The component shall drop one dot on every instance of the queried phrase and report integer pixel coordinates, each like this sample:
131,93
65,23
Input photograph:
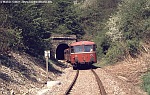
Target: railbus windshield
76,49
88,48
83,48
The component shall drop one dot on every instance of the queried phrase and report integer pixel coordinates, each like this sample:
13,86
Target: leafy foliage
146,82
93,14
65,19
28,18
10,39
117,31
126,29
37,21
3,17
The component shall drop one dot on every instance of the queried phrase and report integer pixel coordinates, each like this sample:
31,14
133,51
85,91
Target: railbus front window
88,48
78,49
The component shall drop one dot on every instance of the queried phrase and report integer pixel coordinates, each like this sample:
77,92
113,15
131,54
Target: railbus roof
82,43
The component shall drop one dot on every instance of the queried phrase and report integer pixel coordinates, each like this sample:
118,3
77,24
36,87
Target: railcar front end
83,52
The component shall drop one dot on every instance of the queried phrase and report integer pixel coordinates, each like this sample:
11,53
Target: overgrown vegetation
10,40
118,27
32,24
28,26
126,29
146,82
65,19
93,15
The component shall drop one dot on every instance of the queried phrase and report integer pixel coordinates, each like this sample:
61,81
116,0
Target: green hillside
120,28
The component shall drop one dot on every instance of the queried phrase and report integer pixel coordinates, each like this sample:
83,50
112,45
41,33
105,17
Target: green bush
115,53
125,29
146,83
133,47
103,44
10,40
33,27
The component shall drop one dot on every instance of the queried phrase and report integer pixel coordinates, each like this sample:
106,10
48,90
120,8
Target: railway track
100,85
74,80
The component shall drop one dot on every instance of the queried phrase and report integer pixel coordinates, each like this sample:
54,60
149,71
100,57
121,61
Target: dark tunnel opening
60,51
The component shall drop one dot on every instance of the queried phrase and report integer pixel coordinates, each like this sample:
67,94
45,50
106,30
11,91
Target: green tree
126,28
65,19
93,14
29,19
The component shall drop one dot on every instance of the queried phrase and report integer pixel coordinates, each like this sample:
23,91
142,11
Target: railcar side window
88,48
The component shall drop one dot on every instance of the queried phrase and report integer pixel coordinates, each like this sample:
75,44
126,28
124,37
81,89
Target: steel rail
101,87
72,84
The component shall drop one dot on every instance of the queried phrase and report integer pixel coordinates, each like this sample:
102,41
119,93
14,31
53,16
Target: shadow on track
87,67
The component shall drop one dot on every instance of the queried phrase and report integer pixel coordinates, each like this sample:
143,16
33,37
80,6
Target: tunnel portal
60,51
59,44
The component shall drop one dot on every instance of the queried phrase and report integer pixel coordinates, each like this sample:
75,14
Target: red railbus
82,52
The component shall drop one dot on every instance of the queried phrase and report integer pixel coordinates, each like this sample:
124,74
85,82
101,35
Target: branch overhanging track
100,85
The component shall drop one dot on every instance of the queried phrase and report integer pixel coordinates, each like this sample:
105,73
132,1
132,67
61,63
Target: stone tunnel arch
60,51
59,43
